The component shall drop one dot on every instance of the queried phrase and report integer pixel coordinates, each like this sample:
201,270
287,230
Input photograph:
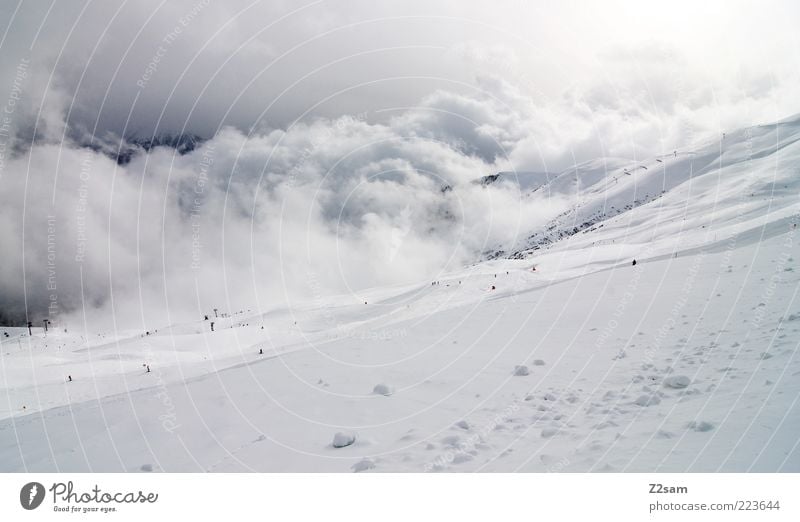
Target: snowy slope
739,174
685,362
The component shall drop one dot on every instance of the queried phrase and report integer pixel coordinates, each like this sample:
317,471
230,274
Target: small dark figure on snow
493,287
205,318
634,263
212,326
148,368
69,378
260,351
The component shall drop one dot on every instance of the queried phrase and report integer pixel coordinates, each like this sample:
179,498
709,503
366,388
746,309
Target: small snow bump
382,389
461,458
343,439
701,426
451,441
647,400
521,371
548,432
363,465
677,382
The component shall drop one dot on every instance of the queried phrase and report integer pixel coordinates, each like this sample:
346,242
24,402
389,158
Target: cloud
247,221
331,131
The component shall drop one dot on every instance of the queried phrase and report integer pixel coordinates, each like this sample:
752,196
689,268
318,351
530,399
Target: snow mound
451,441
548,432
647,400
382,389
700,426
538,362
363,465
464,425
677,382
462,458
343,439
521,370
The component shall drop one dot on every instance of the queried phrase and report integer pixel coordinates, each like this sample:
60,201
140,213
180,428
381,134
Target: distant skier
212,326
493,287
69,378
634,263
148,368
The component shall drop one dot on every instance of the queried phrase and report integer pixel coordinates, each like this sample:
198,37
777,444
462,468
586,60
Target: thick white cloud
332,129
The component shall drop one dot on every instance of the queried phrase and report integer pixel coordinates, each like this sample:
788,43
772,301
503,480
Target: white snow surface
685,362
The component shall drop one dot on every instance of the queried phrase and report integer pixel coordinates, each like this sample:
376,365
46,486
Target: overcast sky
332,126
696,64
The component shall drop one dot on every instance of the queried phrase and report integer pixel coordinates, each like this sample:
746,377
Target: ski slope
685,362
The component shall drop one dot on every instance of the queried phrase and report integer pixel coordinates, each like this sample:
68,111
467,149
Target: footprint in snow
701,426
363,465
677,382
647,400
549,432
451,441
462,457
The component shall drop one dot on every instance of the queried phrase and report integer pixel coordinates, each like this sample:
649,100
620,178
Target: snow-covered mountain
524,181
685,361
124,150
